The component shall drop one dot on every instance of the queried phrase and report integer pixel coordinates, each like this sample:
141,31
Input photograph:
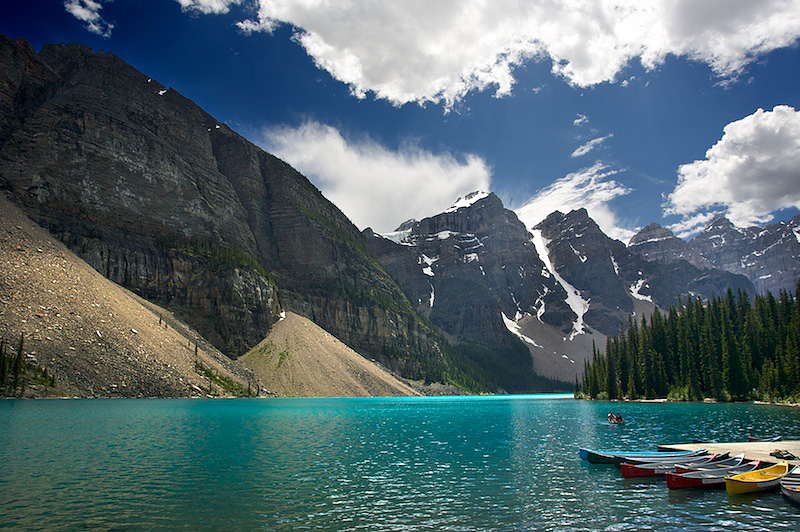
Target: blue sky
639,111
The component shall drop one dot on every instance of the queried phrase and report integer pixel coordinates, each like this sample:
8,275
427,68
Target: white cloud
208,7
691,224
580,120
590,188
88,12
373,185
589,146
753,170
419,51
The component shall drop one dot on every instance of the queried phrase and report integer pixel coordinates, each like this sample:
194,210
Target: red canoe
708,479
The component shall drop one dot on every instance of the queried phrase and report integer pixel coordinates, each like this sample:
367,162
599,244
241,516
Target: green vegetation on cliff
726,349
17,373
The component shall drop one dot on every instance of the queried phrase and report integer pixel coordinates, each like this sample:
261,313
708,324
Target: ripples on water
420,463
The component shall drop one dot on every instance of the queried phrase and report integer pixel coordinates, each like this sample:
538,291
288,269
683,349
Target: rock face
611,278
655,243
768,256
162,199
479,274
467,268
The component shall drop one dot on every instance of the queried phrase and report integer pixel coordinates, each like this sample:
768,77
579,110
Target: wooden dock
756,450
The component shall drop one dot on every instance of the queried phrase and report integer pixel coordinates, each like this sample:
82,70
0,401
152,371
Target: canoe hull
655,469
738,487
677,481
759,480
791,494
707,479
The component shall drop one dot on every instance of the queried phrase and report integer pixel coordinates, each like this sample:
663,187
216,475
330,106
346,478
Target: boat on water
733,461
663,467
709,478
753,438
764,479
790,486
673,458
617,457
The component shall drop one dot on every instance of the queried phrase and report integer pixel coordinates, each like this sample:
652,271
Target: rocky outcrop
768,256
470,266
162,199
611,278
656,243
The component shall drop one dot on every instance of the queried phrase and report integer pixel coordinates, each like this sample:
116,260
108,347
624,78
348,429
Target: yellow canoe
758,480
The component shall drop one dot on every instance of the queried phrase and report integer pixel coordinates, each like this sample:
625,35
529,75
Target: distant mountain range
162,199
478,273
769,256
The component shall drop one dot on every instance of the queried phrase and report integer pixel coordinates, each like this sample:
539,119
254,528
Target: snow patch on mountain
467,200
514,328
398,237
634,290
578,305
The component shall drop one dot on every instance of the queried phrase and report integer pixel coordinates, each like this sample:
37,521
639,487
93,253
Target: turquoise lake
474,463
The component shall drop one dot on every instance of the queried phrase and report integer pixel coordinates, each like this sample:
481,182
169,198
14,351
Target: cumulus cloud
752,171
373,185
420,51
208,7
590,188
589,146
88,12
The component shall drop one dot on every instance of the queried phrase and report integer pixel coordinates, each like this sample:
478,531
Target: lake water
474,463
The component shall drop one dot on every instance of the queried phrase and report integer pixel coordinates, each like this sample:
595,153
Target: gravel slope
98,339
298,358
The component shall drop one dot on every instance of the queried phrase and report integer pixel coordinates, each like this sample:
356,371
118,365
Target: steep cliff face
611,279
768,256
161,198
472,269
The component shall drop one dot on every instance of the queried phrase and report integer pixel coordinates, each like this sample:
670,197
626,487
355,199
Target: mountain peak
652,233
469,200
719,222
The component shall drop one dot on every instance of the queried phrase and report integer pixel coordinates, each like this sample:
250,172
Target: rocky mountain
162,199
477,272
768,256
472,270
611,279
656,243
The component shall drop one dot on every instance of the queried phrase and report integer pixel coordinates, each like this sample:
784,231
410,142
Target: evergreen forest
728,349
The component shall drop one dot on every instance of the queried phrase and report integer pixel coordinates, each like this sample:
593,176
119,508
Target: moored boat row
697,469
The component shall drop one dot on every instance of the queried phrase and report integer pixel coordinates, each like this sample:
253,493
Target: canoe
790,486
733,461
708,479
617,457
774,438
663,467
668,457
757,480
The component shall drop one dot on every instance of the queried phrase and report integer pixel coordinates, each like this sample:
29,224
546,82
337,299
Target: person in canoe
617,420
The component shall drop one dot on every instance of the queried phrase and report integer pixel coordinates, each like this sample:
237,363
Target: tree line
727,348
